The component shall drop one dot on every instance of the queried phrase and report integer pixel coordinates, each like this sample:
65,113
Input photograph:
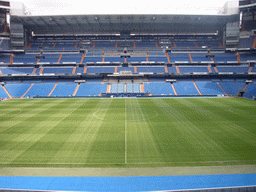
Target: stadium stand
43,89
209,88
185,88
159,88
17,90
250,90
232,88
64,89
101,62
3,94
91,89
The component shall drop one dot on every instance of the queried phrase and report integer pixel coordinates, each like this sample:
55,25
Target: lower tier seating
90,89
209,88
159,88
94,88
232,88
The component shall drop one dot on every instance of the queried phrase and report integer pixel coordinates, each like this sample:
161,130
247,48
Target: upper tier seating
71,58
172,70
16,70
246,57
160,59
246,42
137,59
44,45
224,57
50,58
139,69
89,59
5,59
25,58
113,59
186,69
56,70
147,44
150,69
66,45
97,70
200,57
179,57
234,69
104,44
185,44
208,43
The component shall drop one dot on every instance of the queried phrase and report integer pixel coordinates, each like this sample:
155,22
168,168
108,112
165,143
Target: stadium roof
91,24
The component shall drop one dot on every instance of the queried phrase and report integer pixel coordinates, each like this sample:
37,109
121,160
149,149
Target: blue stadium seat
98,70
5,58
150,69
71,58
185,88
64,89
178,57
42,89
91,89
58,70
114,88
232,88
17,90
250,90
129,88
234,69
159,88
3,94
120,88
209,88
186,69
17,70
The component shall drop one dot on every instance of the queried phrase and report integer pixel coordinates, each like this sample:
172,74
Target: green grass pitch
127,132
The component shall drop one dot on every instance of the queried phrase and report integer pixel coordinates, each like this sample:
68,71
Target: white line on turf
215,162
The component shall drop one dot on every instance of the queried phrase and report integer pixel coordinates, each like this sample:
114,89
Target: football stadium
128,102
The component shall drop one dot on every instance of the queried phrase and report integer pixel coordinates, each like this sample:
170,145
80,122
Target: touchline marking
219,162
125,133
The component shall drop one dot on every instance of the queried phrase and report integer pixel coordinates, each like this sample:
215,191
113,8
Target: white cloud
70,7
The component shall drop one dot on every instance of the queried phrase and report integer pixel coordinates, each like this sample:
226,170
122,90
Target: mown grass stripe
127,132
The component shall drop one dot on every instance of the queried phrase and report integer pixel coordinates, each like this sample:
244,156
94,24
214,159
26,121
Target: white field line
219,162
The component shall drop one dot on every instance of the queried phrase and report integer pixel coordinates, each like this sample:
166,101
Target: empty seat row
152,69
159,88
